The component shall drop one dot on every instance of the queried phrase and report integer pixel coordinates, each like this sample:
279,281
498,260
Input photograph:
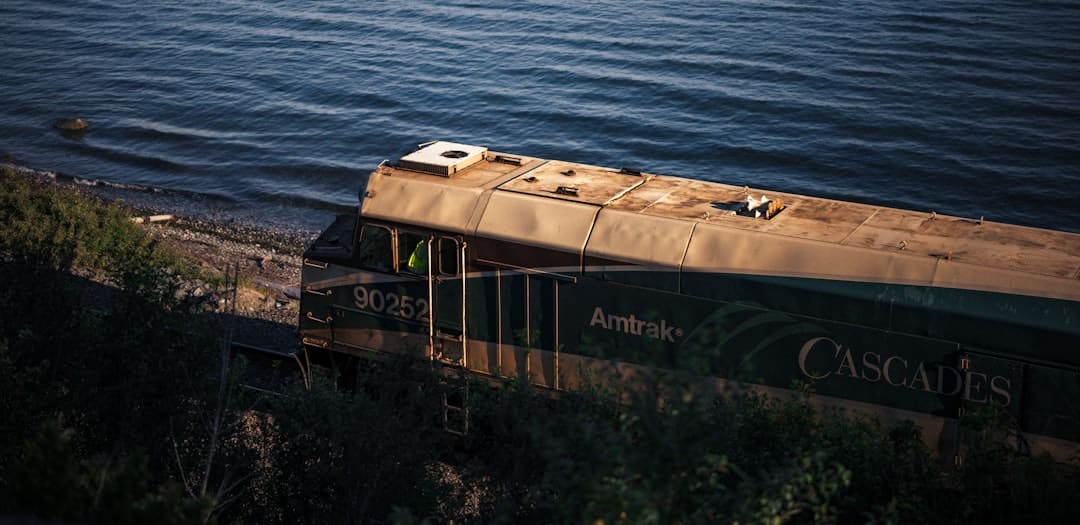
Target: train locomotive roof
662,221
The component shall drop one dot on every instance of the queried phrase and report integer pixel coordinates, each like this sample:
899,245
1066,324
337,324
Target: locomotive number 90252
390,303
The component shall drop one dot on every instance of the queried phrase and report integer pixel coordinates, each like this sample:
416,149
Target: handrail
533,271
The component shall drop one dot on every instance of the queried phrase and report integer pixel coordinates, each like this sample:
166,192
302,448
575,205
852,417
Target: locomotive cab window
412,252
375,248
449,260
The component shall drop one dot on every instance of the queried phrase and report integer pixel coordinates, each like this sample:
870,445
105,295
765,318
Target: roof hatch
442,158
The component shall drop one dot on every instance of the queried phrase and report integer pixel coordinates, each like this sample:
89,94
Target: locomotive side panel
746,341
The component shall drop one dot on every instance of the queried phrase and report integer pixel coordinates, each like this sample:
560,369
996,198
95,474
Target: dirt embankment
267,292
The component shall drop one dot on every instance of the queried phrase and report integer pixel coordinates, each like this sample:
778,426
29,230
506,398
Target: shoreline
191,212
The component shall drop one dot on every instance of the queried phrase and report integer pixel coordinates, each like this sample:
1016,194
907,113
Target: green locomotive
510,266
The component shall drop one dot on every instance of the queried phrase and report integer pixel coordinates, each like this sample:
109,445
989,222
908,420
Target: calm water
277,108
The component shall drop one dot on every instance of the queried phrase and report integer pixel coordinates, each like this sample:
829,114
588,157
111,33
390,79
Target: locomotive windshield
375,248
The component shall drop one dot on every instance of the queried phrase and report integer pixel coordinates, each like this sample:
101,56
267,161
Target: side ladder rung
456,409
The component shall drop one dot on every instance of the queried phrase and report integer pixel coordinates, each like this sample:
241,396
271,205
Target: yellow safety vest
418,259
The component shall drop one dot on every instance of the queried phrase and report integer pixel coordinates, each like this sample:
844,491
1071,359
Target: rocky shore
268,284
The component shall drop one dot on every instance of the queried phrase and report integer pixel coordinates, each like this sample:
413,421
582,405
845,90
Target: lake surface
277,110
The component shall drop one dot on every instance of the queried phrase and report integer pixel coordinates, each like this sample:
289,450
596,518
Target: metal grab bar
317,320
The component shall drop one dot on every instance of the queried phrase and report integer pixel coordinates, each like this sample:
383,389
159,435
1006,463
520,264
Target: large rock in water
71,124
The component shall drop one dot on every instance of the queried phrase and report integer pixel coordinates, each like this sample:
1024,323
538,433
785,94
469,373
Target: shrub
43,226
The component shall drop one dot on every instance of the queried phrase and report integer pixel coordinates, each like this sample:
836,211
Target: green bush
679,457
49,227
119,364
51,479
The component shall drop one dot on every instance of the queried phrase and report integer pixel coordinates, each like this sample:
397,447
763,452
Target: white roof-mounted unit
442,158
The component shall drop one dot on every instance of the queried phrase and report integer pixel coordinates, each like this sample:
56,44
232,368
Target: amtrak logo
632,325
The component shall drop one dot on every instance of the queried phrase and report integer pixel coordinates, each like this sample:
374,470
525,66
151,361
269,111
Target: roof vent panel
442,158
